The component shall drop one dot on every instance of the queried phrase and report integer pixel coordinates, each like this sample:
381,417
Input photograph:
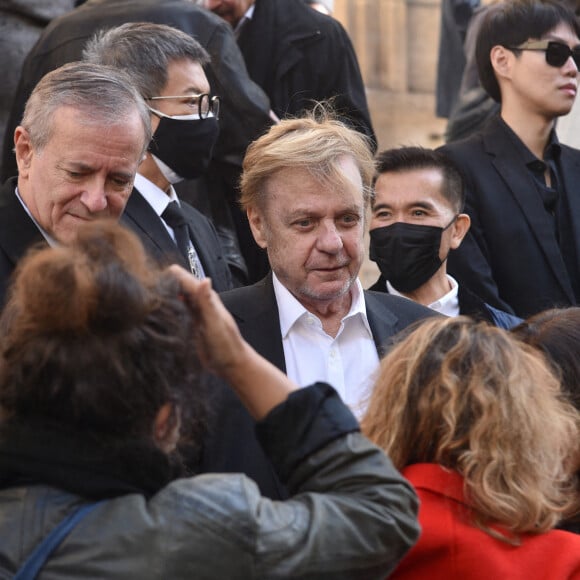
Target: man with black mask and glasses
522,252
166,65
416,222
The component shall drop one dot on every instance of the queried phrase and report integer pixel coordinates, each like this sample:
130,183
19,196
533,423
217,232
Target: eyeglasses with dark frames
557,53
203,104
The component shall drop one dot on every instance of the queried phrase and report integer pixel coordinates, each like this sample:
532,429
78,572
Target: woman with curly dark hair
98,381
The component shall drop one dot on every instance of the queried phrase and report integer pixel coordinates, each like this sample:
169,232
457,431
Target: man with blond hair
306,186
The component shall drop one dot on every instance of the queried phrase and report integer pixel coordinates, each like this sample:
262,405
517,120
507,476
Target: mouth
80,217
329,269
570,89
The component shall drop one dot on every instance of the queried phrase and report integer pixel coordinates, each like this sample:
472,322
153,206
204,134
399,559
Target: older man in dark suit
523,250
244,112
84,132
306,185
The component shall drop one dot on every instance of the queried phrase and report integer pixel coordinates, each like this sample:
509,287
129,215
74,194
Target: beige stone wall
396,41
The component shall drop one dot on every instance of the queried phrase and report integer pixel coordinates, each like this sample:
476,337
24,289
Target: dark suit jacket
244,114
231,445
17,234
140,217
510,257
297,54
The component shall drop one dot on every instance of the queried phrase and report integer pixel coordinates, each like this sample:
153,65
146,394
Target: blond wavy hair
472,398
316,142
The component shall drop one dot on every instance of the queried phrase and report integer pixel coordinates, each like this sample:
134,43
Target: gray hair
144,50
104,95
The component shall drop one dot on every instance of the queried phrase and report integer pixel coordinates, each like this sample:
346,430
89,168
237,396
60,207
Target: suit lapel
17,230
383,322
570,171
523,188
258,319
141,217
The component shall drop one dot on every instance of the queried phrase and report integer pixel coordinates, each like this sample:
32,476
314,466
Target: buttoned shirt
347,361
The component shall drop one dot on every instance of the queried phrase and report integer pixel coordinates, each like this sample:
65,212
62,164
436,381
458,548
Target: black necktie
174,218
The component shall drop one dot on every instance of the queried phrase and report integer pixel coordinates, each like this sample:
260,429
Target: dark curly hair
95,339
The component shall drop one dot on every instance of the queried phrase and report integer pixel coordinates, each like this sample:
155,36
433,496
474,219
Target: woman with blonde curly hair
475,420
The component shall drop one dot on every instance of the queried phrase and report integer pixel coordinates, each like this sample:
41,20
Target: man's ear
502,61
258,226
24,150
460,227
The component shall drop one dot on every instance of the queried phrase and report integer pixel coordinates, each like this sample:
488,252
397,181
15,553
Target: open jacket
510,257
213,526
231,444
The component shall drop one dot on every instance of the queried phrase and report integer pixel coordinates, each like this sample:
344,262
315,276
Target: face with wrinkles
313,232
83,173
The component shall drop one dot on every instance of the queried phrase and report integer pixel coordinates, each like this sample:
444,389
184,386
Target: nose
94,196
571,67
329,239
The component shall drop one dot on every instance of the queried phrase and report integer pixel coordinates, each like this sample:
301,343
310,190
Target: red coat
450,547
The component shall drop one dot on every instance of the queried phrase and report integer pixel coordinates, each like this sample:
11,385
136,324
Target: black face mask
407,254
185,144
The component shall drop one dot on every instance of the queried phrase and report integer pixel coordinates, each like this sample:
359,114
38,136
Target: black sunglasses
557,53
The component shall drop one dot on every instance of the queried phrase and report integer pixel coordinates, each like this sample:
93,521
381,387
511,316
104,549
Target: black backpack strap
44,550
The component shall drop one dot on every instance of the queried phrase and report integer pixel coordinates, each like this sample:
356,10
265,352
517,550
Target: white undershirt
348,362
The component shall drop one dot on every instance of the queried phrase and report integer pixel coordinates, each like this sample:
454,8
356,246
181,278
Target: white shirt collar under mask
447,305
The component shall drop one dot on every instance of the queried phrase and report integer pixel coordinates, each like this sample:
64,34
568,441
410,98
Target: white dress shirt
159,200
447,305
348,361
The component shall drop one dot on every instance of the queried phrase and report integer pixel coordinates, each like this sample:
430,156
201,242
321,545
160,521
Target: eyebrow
84,167
195,91
553,38
421,204
309,212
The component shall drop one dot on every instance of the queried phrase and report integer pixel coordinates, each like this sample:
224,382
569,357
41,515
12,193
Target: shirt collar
291,310
448,304
247,16
155,196
552,150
